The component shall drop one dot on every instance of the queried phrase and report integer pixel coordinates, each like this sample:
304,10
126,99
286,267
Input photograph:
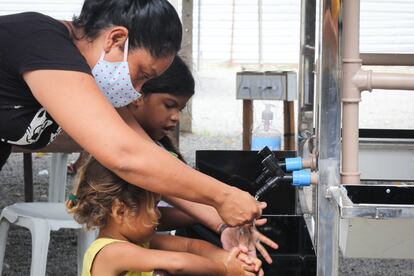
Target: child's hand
250,263
236,267
229,239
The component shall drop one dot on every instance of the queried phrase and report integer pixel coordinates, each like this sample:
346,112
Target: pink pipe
350,93
392,81
368,80
387,59
355,80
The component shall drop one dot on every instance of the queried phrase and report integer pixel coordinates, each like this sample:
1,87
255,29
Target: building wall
229,28
387,26
59,9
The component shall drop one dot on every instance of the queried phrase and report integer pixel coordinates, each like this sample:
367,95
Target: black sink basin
295,256
381,194
240,169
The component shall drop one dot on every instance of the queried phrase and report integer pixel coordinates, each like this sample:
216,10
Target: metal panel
386,154
376,220
328,132
306,81
370,238
292,91
269,85
387,161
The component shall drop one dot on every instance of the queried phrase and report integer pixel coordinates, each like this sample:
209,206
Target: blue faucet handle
302,178
293,164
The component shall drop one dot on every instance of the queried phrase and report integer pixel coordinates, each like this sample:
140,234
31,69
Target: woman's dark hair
152,24
176,80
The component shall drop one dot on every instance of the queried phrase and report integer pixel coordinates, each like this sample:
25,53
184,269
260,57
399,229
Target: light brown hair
97,189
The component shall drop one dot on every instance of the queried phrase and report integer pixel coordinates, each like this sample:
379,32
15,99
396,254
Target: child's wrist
223,226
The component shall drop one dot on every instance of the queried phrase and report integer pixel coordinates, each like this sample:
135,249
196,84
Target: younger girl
126,216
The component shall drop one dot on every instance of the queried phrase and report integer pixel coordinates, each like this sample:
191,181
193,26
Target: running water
246,235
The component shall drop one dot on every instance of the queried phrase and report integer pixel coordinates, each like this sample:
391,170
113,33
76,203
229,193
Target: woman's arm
132,122
75,102
130,257
172,218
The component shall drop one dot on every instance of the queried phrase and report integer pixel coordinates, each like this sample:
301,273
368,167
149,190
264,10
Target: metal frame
348,209
328,133
306,73
306,89
331,205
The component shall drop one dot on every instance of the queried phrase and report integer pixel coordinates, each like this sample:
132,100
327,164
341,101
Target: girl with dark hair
158,112
158,109
71,75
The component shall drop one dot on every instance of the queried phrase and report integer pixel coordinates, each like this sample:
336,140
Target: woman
46,82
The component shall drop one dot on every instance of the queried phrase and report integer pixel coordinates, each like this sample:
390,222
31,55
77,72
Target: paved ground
217,125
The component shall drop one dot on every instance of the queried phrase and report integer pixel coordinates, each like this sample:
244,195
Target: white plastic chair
57,177
41,218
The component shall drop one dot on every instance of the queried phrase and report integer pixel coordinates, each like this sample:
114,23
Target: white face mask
114,80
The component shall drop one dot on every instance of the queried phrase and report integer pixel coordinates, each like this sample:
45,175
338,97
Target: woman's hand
239,207
229,239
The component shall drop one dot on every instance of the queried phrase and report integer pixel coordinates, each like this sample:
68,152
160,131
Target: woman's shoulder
32,25
29,26
37,41
29,20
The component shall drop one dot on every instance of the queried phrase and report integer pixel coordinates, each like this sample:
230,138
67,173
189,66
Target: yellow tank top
95,247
